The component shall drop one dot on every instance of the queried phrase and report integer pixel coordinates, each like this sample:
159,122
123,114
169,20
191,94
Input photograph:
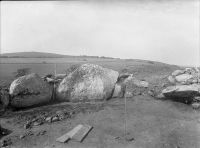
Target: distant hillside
32,55
44,55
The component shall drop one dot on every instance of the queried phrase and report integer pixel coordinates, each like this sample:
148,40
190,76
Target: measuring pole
125,115
54,84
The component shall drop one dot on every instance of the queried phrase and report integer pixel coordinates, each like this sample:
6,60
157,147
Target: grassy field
140,68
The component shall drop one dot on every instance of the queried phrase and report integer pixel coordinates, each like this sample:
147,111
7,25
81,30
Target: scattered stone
160,96
151,93
128,94
195,105
54,119
196,98
41,133
29,133
129,138
27,125
21,136
48,119
37,123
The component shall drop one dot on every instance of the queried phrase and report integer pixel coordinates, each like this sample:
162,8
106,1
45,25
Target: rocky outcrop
184,77
88,82
29,90
185,85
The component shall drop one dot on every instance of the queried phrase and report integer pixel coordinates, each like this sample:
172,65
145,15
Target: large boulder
182,91
29,90
88,82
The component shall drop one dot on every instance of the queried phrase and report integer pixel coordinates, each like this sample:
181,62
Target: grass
42,66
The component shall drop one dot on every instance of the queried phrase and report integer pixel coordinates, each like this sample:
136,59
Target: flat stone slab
82,133
70,134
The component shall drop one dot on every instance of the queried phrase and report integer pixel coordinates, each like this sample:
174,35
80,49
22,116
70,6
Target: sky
165,30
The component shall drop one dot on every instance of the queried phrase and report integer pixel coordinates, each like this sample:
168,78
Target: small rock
29,133
37,123
21,136
48,119
196,98
151,93
41,133
27,125
129,137
54,119
195,105
160,96
128,94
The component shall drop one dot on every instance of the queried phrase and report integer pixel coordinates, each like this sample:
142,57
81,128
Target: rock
27,125
54,119
195,105
29,90
48,119
172,79
178,72
29,133
36,123
128,94
41,133
190,71
88,82
184,78
118,91
151,93
184,91
160,96
21,136
196,98
60,114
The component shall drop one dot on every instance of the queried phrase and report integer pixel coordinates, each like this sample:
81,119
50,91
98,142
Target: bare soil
151,123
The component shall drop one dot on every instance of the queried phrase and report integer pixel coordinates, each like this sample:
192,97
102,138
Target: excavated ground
151,123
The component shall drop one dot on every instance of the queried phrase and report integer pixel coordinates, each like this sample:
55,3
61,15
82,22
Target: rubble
185,86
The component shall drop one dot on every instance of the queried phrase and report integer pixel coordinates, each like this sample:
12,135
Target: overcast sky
166,31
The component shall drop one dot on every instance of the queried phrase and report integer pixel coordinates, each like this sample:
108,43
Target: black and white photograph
100,74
